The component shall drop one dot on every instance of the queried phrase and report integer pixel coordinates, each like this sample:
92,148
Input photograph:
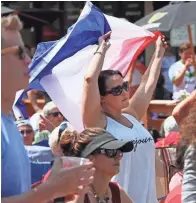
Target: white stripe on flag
65,84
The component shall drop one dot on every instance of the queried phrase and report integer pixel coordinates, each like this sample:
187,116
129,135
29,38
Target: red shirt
175,195
171,139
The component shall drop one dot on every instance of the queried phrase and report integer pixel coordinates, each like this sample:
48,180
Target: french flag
60,67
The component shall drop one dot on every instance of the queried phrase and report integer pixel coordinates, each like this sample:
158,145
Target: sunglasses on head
110,153
55,114
116,91
19,50
26,131
61,129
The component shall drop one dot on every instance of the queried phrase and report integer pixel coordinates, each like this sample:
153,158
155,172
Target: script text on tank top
141,141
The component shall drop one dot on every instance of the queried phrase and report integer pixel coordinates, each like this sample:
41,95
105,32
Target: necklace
104,200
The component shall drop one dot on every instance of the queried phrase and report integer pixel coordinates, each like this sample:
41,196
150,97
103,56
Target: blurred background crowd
49,21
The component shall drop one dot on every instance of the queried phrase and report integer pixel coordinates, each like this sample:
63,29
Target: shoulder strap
86,199
115,192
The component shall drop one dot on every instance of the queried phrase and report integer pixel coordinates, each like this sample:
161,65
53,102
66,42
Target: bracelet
98,52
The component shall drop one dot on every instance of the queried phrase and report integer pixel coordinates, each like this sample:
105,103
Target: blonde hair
11,22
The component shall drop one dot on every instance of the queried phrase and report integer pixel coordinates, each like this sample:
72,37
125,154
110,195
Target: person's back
15,169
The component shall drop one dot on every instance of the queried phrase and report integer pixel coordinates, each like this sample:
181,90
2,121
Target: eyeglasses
55,114
19,50
116,91
110,153
26,131
61,129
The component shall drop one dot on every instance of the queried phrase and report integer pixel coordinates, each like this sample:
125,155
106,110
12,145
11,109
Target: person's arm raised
61,182
181,111
32,95
178,79
91,107
139,103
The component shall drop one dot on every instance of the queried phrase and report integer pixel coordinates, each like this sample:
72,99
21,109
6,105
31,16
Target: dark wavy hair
104,75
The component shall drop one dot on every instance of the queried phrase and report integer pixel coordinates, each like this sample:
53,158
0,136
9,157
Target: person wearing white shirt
182,73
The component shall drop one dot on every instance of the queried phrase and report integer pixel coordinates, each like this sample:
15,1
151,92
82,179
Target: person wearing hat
39,156
105,151
26,130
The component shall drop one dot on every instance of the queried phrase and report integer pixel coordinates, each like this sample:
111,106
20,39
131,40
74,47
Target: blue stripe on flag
85,32
42,50
20,104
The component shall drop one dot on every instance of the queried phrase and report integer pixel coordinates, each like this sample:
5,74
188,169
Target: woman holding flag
106,104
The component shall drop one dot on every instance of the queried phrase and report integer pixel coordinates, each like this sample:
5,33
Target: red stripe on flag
139,44
147,41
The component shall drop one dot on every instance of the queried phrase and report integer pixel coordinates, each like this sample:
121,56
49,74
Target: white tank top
137,169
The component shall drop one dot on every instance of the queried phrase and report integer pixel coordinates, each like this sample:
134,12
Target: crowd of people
120,151
176,75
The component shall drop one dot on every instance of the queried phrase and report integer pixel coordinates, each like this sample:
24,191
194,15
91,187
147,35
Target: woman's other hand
161,45
104,42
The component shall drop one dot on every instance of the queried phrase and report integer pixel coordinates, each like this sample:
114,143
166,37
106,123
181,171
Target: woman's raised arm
181,111
91,104
139,103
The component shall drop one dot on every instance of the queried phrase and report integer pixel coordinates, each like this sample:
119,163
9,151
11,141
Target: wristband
98,52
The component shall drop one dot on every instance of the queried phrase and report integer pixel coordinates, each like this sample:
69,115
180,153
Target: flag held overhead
61,68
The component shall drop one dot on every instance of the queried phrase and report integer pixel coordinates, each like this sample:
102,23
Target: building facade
46,21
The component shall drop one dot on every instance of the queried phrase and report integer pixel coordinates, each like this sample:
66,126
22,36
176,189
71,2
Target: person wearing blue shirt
15,173
15,170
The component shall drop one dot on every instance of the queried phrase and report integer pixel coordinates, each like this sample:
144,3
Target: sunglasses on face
26,131
19,50
116,91
110,153
56,114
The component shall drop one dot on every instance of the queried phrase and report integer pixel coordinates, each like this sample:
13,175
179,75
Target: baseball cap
106,141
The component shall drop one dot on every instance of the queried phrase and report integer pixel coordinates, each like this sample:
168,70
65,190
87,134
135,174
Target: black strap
86,199
115,192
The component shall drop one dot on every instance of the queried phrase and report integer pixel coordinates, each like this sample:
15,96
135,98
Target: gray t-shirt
189,179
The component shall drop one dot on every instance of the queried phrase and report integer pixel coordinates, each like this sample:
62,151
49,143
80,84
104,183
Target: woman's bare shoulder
100,122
